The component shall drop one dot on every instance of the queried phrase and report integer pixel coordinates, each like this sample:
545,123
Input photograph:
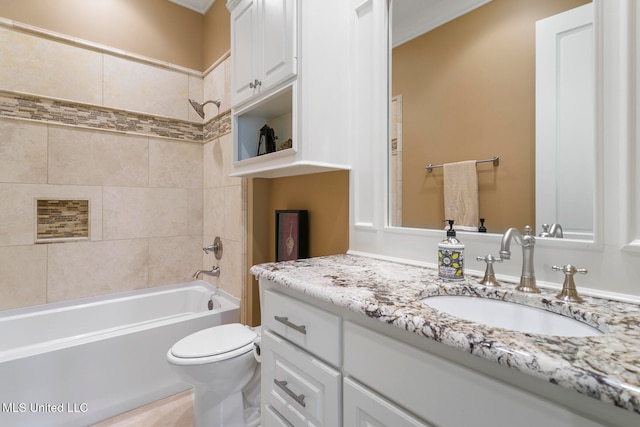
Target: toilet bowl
219,363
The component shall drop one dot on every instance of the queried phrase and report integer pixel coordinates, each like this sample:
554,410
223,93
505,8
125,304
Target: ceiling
200,6
412,18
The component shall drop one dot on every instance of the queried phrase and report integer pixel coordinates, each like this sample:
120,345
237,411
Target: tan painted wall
157,29
468,92
324,195
217,33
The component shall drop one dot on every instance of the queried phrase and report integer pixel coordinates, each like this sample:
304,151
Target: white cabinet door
278,23
363,408
244,33
263,43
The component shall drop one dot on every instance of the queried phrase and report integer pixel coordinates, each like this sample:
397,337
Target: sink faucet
215,272
528,243
554,231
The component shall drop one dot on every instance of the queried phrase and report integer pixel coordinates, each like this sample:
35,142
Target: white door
565,118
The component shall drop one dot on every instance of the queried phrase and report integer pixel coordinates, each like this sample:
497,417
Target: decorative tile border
29,107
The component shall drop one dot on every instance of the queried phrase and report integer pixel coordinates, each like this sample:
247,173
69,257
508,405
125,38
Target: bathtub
80,362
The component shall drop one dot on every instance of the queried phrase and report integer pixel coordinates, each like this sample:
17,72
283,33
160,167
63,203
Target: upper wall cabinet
289,86
263,44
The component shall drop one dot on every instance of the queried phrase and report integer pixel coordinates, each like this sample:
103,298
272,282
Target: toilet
220,364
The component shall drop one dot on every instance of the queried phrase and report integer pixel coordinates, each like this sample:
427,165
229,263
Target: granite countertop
605,367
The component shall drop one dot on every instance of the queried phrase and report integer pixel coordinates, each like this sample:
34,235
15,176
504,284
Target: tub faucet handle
216,248
569,291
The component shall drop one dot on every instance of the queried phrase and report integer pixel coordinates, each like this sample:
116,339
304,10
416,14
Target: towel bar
495,160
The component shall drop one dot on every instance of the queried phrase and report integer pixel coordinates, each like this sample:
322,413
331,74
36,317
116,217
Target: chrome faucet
528,243
554,231
215,272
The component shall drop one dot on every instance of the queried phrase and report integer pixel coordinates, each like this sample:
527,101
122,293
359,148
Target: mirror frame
370,232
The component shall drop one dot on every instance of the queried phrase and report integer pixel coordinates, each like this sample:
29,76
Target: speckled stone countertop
605,367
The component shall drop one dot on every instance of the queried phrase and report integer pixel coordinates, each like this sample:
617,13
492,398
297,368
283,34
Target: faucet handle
569,291
216,248
489,278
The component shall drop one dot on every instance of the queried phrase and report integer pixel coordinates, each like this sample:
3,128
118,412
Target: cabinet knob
254,84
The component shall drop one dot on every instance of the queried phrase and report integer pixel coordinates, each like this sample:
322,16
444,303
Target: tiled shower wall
157,188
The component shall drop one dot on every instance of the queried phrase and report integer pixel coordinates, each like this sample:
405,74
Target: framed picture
292,235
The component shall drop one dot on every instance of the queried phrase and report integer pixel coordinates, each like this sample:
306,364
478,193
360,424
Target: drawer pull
297,398
285,320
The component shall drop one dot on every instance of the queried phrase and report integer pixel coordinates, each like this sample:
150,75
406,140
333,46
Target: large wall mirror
474,79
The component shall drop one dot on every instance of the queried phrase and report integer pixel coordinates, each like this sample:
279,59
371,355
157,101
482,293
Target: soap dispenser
451,256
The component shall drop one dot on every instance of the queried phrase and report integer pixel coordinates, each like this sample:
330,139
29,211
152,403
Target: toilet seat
213,344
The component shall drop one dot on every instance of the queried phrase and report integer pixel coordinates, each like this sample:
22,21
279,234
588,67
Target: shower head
200,107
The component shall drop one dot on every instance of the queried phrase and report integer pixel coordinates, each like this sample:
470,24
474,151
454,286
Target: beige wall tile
125,213
173,259
145,212
233,221
44,67
23,152
168,212
231,268
213,162
195,226
140,87
214,88
175,164
17,209
98,268
80,156
213,216
226,150
23,276
195,92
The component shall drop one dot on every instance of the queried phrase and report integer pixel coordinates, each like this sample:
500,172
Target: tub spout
215,272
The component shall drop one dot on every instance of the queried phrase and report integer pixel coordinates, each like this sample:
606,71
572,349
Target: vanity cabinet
263,45
289,73
326,365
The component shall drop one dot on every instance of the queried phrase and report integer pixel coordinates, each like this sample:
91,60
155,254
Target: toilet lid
213,341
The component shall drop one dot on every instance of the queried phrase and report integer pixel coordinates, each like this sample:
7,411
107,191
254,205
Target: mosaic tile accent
59,220
217,127
29,107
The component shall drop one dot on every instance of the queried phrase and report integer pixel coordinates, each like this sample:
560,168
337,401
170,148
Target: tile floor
173,411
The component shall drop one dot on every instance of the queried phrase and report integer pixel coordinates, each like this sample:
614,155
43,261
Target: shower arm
212,101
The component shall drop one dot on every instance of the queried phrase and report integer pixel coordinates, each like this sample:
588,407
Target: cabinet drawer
304,390
270,418
310,328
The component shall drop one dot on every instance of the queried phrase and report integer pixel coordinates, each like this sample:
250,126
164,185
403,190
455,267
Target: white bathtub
79,362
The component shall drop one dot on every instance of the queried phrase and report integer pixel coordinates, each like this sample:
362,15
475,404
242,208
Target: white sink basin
507,315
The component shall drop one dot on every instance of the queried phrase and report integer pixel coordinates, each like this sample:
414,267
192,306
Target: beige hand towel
461,194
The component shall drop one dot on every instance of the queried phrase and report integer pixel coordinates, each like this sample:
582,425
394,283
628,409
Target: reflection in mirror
466,90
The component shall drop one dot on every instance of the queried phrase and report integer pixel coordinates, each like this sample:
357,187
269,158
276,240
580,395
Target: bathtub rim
11,312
